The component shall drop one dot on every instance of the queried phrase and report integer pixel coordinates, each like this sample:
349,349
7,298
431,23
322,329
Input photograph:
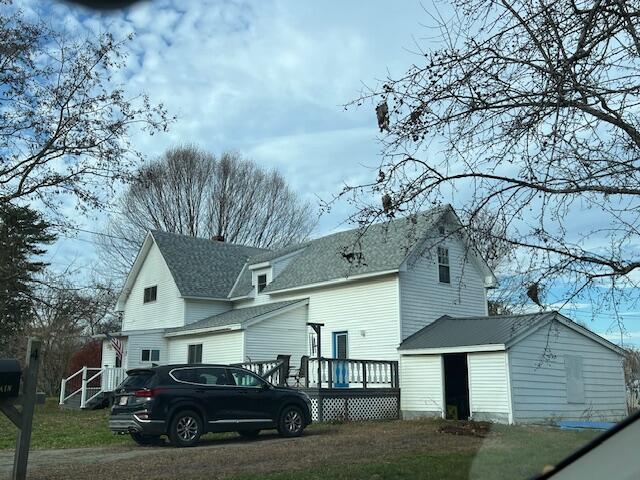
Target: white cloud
625,339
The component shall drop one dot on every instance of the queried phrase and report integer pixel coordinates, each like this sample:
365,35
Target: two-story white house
390,292
192,299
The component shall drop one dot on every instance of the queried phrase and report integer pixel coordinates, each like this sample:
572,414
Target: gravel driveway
220,458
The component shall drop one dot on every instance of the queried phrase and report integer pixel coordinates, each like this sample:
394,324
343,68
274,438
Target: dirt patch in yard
320,446
468,429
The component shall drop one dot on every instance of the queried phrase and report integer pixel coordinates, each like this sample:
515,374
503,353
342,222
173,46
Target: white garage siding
224,347
149,340
424,299
285,334
195,310
421,386
167,310
539,385
489,386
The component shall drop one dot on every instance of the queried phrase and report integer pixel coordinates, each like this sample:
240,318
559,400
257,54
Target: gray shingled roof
235,317
383,246
202,267
467,331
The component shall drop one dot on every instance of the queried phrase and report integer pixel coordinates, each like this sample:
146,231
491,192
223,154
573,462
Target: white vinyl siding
285,334
489,386
145,341
109,353
167,310
366,309
226,347
423,298
421,385
195,310
539,385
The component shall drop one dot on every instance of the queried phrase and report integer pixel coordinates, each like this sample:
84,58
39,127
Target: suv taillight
147,392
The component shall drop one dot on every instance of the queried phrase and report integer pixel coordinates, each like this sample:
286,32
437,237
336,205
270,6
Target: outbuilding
536,368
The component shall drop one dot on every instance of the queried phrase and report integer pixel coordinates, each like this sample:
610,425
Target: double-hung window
150,294
195,353
262,282
444,274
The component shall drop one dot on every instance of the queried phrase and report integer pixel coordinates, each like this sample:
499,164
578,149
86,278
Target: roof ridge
388,221
210,241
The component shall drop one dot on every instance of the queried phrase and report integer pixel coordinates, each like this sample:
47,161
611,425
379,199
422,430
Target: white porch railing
89,382
347,372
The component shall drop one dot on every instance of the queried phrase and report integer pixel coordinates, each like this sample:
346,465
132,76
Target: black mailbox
10,373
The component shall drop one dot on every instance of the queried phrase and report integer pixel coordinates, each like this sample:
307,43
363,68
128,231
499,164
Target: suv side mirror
265,386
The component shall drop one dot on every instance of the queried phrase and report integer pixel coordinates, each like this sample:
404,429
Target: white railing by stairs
89,382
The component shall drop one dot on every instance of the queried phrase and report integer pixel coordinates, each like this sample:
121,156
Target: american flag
116,344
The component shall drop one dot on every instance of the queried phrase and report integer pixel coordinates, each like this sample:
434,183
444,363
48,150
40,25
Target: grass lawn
366,450
54,427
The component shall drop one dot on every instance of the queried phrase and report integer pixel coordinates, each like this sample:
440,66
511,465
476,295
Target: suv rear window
201,375
138,380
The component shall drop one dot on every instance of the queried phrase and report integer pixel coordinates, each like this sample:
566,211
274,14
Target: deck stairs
90,388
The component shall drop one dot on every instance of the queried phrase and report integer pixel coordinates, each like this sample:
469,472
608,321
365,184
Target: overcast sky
268,78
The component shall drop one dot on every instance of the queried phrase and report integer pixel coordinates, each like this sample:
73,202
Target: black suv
186,401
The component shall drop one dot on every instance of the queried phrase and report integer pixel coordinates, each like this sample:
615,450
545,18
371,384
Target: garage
535,368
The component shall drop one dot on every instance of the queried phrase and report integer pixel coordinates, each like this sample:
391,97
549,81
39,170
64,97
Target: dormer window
150,294
262,282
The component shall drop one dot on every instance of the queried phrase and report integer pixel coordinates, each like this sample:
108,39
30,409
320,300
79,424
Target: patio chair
298,378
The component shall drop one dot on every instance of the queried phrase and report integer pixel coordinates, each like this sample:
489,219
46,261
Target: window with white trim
150,294
150,355
194,353
444,273
262,282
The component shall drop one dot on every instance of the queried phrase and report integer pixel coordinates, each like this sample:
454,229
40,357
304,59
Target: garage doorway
456,386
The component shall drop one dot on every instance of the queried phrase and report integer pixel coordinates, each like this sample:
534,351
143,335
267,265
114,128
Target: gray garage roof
237,316
201,267
468,331
381,247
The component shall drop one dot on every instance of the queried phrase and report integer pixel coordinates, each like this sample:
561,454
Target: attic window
441,230
150,294
444,273
262,282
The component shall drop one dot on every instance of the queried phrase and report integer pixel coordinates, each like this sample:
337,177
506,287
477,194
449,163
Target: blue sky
268,79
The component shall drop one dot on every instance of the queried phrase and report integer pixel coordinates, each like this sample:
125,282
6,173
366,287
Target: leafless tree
527,112
64,123
632,378
192,192
65,316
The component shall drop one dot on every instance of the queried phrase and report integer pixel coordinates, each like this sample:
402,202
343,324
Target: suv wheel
291,422
249,433
145,440
185,429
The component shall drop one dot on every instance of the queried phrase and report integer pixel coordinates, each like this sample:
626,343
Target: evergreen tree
22,234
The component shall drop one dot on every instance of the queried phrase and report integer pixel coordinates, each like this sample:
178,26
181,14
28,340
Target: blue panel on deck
581,425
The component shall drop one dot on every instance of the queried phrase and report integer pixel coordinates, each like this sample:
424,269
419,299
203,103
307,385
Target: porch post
317,329
83,393
63,386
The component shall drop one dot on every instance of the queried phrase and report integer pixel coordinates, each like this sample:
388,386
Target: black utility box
10,373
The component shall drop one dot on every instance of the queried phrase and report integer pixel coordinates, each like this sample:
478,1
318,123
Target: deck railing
354,373
333,373
271,370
